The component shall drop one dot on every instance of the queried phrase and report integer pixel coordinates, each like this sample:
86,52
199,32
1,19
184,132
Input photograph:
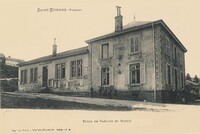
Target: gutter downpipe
91,64
155,60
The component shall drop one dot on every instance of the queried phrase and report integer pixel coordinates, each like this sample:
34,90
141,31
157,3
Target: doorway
45,76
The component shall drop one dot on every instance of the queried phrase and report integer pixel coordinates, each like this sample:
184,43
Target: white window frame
79,68
134,41
107,75
59,70
76,70
135,70
63,70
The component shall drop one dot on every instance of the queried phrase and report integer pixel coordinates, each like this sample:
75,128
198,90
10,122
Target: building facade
62,72
141,61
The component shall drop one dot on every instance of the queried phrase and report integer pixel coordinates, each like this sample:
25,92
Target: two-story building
141,60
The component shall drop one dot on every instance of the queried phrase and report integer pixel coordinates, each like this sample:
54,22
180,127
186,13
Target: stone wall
179,64
120,59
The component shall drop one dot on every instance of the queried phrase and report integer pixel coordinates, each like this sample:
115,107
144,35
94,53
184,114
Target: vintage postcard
84,67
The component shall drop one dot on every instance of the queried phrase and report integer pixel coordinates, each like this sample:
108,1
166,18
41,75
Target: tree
196,79
188,77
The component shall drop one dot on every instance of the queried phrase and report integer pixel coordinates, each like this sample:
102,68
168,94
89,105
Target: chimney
118,20
54,48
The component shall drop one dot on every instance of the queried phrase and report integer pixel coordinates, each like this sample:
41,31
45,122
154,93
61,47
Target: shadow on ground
9,101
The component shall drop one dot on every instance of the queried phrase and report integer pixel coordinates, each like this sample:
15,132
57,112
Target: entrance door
45,76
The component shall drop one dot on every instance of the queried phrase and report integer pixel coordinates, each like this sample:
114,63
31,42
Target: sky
27,34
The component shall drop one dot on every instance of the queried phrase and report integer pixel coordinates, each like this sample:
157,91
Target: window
60,71
76,68
167,46
181,57
178,55
135,73
33,75
182,84
105,50
176,78
36,75
73,69
168,74
79,68
174,53
134,45
23,76
105,76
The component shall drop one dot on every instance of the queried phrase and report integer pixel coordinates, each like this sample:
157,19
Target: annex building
140,61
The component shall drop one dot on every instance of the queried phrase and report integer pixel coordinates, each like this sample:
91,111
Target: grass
11,101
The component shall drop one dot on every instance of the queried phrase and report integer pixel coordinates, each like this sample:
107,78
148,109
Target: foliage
188,77
196,79
9,85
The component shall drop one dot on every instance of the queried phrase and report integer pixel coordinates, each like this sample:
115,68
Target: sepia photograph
118,66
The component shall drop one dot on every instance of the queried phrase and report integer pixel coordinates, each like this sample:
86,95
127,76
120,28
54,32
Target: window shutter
100,77
142,73
127,77
111,73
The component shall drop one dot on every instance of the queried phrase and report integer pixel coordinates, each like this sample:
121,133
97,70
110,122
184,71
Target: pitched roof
64,54
135,26
14,59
